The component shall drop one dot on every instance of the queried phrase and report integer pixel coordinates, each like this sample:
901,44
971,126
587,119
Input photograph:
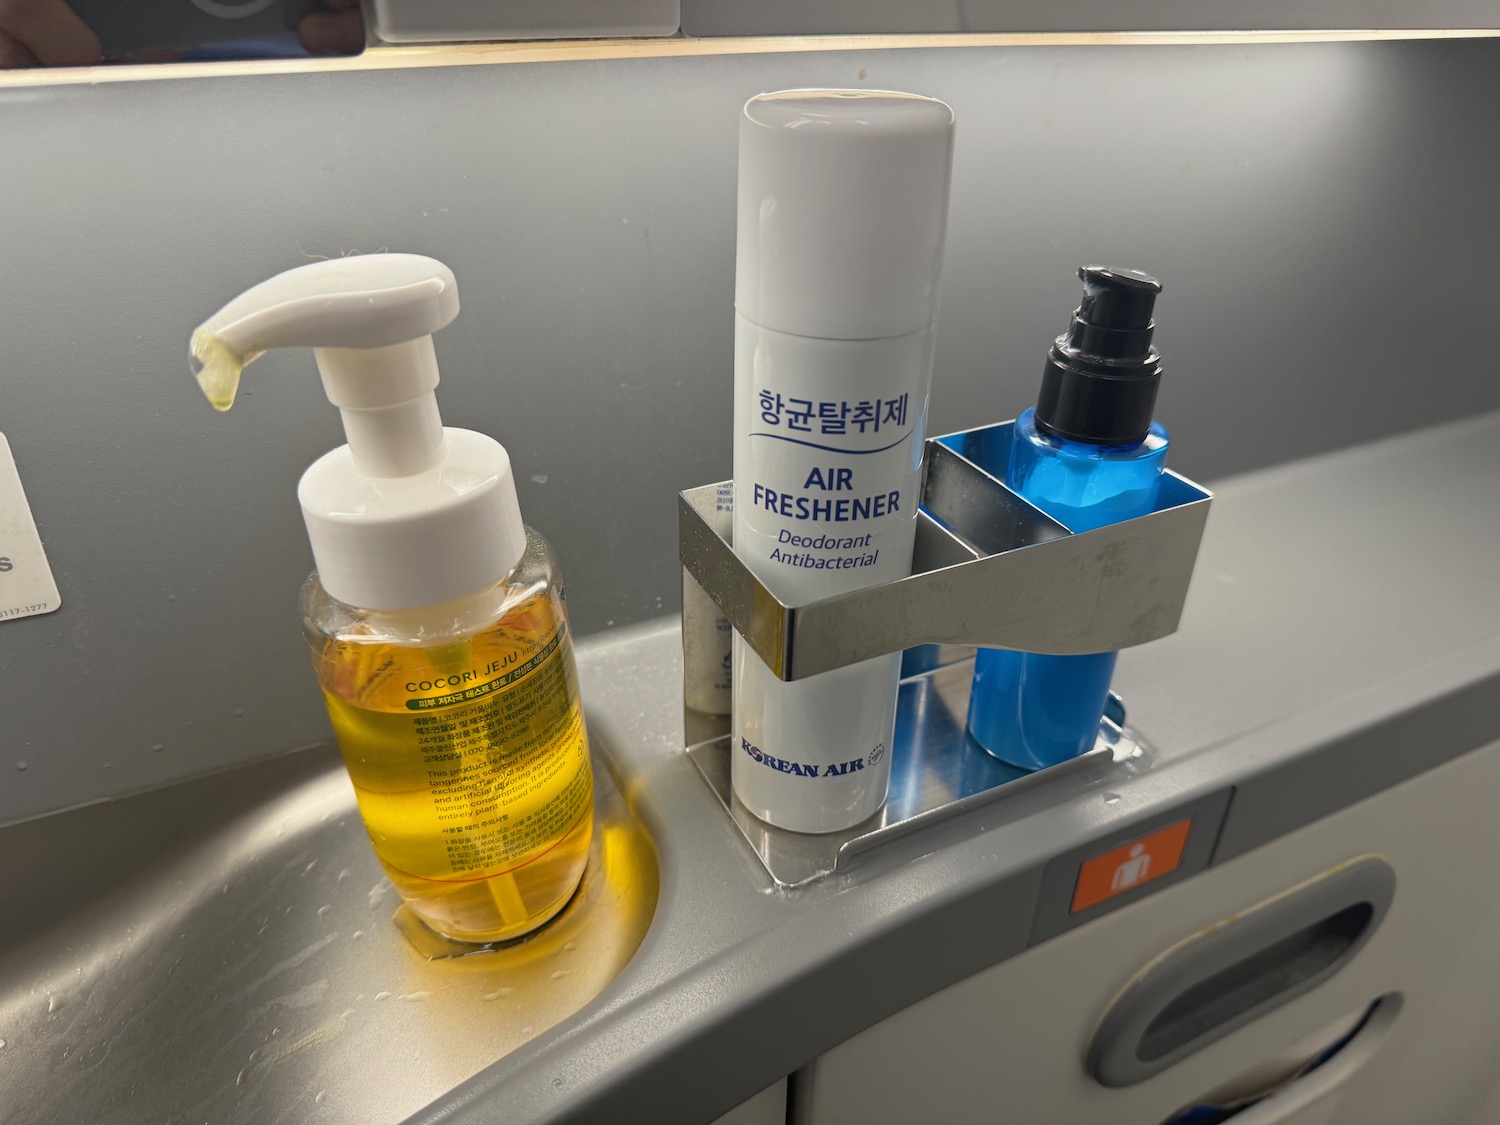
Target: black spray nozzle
1099,383
1117,298
1112,323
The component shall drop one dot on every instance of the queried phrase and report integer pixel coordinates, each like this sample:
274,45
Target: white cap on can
843,203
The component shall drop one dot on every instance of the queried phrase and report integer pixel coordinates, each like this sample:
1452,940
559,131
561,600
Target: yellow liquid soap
468,754
217,367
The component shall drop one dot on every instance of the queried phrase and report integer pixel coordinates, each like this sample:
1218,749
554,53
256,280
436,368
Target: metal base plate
937,773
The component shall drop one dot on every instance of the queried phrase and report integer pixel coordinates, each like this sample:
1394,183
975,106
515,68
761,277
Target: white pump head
409,513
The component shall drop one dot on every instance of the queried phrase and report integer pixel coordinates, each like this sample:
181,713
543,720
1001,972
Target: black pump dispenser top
1099,383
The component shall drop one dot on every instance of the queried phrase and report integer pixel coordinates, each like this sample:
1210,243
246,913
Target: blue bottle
1088,454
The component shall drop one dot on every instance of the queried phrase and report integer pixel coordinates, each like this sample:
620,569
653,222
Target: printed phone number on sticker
25,609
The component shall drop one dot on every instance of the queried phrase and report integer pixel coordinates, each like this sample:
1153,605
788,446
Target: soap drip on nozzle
217,367
1099,383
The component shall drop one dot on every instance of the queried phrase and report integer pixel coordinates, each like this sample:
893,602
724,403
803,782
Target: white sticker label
26,583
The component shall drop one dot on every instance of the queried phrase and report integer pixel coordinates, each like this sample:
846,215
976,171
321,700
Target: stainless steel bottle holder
989,570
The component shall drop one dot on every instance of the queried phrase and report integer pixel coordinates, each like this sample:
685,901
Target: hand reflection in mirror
340,30
49,33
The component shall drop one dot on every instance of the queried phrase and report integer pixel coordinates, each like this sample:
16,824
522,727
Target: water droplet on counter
557,1082
2,1044
53,1004
356,935
21,765
377,892
157,747
559,974
1111,798
343,874
309,867
321,1097
415,997
498,994
382,996
572,945
540,478
322,910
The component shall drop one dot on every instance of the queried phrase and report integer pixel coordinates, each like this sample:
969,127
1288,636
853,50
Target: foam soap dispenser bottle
436,618
1088,454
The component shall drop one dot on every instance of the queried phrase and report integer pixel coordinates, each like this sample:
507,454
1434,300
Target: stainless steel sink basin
224,950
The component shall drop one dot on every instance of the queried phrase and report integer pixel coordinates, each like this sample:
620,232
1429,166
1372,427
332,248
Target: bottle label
828,458
479,690
476,757
830,477
706,632
484,759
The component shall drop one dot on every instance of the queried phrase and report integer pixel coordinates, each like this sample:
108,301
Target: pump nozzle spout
369,302
217,367
1099,382
1116,298
409,513
370,320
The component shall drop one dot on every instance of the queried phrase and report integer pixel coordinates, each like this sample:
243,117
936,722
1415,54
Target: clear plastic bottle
463,733
436,618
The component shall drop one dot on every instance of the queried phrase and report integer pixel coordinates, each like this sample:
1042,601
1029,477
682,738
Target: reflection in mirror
87,32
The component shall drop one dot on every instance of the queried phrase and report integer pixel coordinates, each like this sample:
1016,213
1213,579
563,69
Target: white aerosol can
843,205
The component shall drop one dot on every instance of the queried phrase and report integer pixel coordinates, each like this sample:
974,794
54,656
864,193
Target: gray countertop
1342,635
1334,599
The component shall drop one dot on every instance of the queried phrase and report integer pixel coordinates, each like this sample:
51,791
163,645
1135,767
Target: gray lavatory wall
1316,211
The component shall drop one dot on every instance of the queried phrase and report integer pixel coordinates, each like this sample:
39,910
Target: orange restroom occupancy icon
1130,865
